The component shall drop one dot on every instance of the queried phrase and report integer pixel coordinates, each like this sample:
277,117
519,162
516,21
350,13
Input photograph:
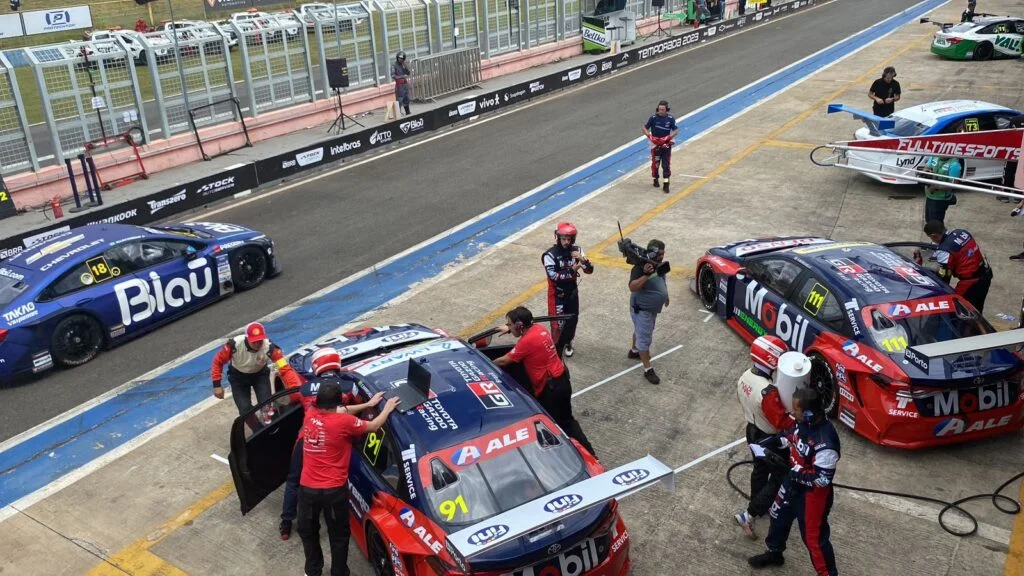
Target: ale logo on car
630,477
466,455
488,534
563,503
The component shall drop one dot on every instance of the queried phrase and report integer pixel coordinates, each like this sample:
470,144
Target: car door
261,450
376,466
172,278
88,286
1006,38
484,341
760,300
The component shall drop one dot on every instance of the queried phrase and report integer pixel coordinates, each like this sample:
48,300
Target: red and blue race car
471,477
882,334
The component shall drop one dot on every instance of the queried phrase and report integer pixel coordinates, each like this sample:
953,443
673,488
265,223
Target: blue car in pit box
93,287
468,476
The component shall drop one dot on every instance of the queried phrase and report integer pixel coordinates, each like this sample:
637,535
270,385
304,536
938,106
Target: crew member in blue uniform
959,255
562,264
660,130
807,492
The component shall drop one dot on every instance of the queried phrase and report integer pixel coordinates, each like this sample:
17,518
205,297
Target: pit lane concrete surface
168,507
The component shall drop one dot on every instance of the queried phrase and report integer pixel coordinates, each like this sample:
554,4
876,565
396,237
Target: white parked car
308,12
945,117
261,20
104,41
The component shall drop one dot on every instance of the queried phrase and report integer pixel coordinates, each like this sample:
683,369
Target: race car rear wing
876,124
486,334
551,509
923,177
952,351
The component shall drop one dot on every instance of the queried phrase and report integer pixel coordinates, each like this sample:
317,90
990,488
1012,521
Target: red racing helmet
566,229
326,360
255,333
765,352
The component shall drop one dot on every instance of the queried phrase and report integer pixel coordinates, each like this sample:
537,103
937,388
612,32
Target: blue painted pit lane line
37,461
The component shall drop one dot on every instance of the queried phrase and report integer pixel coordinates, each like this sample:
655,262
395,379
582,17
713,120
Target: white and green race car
983,39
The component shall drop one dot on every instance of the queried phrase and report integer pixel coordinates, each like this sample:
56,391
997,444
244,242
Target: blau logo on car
563,503
488,534
630,477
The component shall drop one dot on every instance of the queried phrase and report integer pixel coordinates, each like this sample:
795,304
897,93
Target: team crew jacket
558,263
959,255
762,404
244,360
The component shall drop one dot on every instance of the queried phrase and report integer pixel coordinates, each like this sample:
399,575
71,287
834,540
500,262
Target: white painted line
711,454
710,315
626,371
243,193
220,459
931,513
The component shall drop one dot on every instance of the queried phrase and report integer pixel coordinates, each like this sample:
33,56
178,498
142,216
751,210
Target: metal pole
177,52
455,37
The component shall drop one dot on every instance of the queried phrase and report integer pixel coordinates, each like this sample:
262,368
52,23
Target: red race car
468,476
898,355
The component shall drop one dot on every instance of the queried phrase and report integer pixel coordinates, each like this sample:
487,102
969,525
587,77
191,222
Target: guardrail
446,73
244,177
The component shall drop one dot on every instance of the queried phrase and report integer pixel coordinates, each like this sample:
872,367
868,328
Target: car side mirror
741,274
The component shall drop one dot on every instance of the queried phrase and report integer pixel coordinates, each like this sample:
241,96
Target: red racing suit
959,255
563,295
807,493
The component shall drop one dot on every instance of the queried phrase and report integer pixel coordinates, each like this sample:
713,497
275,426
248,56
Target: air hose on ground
999,500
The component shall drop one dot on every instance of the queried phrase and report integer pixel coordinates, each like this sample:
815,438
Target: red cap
255,332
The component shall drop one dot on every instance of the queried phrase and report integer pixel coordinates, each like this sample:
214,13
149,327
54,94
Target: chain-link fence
345,31
458,22
89,92
17,153
201,56
276,62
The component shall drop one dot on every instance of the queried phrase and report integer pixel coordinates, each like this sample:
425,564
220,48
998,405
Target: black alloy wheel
248,267
76,340
824,381
380,559
984,51
707,286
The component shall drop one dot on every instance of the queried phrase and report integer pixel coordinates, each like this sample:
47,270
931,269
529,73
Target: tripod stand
659,31
339,123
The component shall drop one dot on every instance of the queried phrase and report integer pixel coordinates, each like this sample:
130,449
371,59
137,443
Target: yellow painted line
137,560
791,144
1015,555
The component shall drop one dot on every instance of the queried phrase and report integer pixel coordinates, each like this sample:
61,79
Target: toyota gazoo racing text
65,299
858,310
443,488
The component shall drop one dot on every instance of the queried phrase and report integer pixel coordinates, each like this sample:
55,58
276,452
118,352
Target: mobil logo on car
786,323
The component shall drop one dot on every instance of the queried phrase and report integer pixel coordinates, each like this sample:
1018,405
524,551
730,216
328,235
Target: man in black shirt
968,15
885,93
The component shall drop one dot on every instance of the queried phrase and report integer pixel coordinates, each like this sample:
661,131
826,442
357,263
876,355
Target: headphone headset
665,104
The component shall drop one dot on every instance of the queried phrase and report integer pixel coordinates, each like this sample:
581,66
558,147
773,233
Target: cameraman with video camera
648,295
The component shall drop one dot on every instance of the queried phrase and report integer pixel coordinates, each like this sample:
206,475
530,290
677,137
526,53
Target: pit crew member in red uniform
959,255
807,492
326,366
327,437
660,130
766,415
562,263
248,356
549,381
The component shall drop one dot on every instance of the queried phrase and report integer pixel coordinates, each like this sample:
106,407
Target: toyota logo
554,549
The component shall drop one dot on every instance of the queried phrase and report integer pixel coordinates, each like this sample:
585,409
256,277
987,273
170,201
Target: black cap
329,395
889,69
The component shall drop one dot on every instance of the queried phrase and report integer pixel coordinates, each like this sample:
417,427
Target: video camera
637,255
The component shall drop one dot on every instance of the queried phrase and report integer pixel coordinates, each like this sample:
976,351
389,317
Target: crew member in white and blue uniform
661,129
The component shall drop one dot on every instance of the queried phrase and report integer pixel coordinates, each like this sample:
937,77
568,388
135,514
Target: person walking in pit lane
959,255
325,364
328,433
562,264
248,356
766,415
660,130
400,73
549,380
807,492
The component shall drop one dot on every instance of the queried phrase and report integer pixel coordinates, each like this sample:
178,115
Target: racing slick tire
76,340
984,51
380,559
248,268
707,287
823,380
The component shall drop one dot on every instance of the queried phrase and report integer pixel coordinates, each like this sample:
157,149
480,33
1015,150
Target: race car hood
217,230
363,343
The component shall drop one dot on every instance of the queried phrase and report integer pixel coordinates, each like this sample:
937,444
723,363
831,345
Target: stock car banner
992,145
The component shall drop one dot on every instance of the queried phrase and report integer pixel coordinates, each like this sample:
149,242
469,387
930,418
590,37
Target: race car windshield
907,127
185,232
894,335
10,289
500,483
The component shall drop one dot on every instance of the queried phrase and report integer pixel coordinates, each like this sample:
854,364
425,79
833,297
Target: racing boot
656,183
768,558
664,187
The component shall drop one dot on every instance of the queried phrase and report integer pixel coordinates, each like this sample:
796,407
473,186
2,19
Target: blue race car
468,476
97,286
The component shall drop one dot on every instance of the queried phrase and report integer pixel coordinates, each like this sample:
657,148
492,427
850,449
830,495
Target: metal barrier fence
451,71
89,91
202,58
16,150
276,62
83,91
